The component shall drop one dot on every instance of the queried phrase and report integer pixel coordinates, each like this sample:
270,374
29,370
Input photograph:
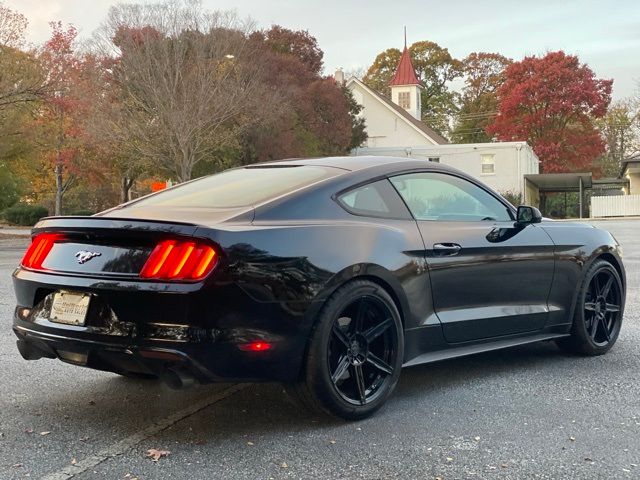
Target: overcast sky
604,34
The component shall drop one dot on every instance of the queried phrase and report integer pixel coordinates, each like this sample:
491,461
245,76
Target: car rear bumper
176,363
181,335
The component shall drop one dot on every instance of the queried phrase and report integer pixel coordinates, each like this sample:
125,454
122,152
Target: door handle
446,249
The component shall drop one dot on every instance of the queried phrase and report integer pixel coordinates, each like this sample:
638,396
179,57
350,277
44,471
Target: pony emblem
84,256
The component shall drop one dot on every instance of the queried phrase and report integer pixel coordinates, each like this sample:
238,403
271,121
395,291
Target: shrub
514,198
81,213
24,214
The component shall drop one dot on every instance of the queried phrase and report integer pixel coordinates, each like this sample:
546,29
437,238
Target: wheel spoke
591,306
342,367
379,363
356,323
607,286
376,331
340,335
596,286
605,328
612,307
362,391
594,326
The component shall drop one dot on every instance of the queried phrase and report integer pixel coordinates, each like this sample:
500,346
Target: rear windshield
242,187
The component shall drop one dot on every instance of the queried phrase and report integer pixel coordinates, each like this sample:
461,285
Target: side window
437,196
378,199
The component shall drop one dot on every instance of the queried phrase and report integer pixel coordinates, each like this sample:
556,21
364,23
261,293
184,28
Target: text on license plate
69,308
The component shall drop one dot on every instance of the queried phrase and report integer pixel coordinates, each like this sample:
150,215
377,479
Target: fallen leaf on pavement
156,455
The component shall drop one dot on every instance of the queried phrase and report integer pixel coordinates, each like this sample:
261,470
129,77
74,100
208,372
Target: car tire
597,317
351,336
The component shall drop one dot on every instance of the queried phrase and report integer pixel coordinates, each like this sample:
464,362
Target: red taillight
255,346
39,249
179,260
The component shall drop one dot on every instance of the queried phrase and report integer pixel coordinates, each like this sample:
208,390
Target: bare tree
12,27
188,80
21,79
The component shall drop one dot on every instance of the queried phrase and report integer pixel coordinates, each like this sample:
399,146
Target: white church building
395,128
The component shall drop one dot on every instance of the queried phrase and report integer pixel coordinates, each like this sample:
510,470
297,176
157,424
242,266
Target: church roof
422,127
405,73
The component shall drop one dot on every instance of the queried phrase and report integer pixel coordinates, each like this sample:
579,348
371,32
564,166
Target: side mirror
527,215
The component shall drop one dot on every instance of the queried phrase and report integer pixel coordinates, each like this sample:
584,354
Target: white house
394,122
501,165
394,128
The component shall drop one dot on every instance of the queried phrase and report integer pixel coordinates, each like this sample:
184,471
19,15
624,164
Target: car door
489,275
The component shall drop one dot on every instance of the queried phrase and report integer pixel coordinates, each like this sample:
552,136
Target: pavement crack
131,441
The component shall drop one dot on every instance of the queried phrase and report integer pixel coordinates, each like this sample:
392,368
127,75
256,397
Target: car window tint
240,187
365,198
437,196
377,199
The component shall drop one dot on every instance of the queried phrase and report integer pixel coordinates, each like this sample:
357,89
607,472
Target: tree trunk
186,166
59,168
125,189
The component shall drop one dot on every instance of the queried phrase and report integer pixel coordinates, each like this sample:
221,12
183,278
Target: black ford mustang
327,274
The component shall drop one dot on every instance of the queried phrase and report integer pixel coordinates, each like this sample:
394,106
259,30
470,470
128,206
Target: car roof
380,164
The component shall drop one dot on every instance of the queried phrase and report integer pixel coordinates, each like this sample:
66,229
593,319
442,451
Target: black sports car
327,274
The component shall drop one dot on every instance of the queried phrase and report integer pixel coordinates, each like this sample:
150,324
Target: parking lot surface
526,412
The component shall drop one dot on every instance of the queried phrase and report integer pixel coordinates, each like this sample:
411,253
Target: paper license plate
69,308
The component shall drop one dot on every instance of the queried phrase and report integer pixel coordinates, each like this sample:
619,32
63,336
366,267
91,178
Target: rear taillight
39,249
180,260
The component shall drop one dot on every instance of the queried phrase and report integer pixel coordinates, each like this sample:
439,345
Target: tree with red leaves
551,102
58,129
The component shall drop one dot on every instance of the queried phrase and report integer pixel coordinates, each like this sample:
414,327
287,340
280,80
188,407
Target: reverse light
255,346
40,247
179,260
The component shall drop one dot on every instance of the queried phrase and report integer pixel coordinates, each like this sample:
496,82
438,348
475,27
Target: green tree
620,129
435,67
9,192
483,75
358,125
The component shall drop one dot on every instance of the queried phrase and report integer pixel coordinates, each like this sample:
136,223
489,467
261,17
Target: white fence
615,206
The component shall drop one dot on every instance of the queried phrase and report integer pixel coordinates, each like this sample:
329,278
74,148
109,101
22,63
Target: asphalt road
527,412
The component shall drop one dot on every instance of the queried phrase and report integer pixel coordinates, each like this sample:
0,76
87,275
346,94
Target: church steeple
405,86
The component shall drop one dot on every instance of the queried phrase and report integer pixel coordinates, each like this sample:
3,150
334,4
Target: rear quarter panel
297,266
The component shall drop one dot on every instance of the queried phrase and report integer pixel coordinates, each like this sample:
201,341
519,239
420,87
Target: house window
488,163
434,159
404,99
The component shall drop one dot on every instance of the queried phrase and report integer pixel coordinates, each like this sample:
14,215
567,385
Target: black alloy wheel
599,310
602,307
362,350
355,355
